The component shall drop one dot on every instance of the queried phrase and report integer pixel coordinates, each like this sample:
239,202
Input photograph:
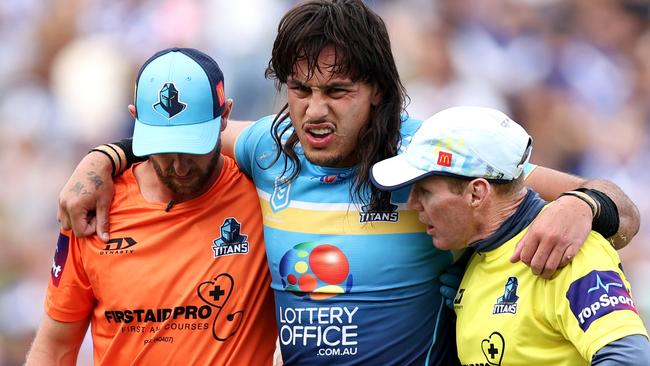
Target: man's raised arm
85,200
569,219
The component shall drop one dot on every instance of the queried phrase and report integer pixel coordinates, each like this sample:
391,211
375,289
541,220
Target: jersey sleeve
528,168
592,304
632,350
248,141
407,130
69,294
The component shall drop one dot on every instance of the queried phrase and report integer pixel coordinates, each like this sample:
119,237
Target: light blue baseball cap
179,99
463,142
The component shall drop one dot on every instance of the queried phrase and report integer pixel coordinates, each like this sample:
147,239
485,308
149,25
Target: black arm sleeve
632,350
127,146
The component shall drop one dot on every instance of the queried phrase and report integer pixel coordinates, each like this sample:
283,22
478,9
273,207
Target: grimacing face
328,112
447,215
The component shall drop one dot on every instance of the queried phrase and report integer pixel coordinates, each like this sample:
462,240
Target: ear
413,202
226,113
132,110
478,191
376,97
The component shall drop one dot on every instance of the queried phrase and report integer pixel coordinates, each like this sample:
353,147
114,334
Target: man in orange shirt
184,278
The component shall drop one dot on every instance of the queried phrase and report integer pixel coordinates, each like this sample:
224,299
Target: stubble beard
326,161
194,188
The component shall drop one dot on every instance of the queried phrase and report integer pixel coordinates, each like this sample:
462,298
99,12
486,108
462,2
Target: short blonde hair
458,185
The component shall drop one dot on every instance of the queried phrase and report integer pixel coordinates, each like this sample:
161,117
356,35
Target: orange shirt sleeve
69,294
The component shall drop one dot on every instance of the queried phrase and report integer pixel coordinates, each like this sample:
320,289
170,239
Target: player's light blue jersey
351,286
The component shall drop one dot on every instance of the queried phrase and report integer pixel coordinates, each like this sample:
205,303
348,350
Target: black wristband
127,147
118,167
607,221
109,158
593,205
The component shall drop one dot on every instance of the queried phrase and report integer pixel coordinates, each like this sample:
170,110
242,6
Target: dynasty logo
459,296
232,241
119,246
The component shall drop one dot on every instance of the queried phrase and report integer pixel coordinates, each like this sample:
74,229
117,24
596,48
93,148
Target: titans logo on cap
169,104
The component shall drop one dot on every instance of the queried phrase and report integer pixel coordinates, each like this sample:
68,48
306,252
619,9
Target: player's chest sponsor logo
597,294
329,331
280,196
232,241
389,215
212,313
60,258
315,273
119,246
507,303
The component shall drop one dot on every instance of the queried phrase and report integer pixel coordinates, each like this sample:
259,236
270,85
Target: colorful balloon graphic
316,271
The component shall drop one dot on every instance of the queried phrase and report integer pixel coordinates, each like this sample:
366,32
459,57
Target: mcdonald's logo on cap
444,158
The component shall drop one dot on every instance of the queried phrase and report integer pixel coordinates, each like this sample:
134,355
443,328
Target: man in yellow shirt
466,165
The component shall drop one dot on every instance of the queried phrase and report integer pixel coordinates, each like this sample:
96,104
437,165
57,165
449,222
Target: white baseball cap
464,142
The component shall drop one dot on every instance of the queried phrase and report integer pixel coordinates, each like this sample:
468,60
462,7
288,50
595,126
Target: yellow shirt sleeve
590,300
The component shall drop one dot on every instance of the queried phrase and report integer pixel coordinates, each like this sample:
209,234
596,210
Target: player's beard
198,185
327,161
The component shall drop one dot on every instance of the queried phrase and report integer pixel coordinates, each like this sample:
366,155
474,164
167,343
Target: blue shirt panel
358,295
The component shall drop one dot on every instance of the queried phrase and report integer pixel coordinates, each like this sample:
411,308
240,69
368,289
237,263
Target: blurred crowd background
575,73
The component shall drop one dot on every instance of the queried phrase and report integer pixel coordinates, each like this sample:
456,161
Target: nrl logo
280,197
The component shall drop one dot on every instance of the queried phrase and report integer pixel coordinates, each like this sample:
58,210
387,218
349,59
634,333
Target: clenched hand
86,198
555,236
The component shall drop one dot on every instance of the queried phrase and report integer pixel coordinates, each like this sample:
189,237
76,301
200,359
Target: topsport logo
315,271
596,295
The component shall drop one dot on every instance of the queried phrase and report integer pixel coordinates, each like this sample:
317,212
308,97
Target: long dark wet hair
363,53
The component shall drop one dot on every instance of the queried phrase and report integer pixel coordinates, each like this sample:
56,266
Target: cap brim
198,138
395,173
